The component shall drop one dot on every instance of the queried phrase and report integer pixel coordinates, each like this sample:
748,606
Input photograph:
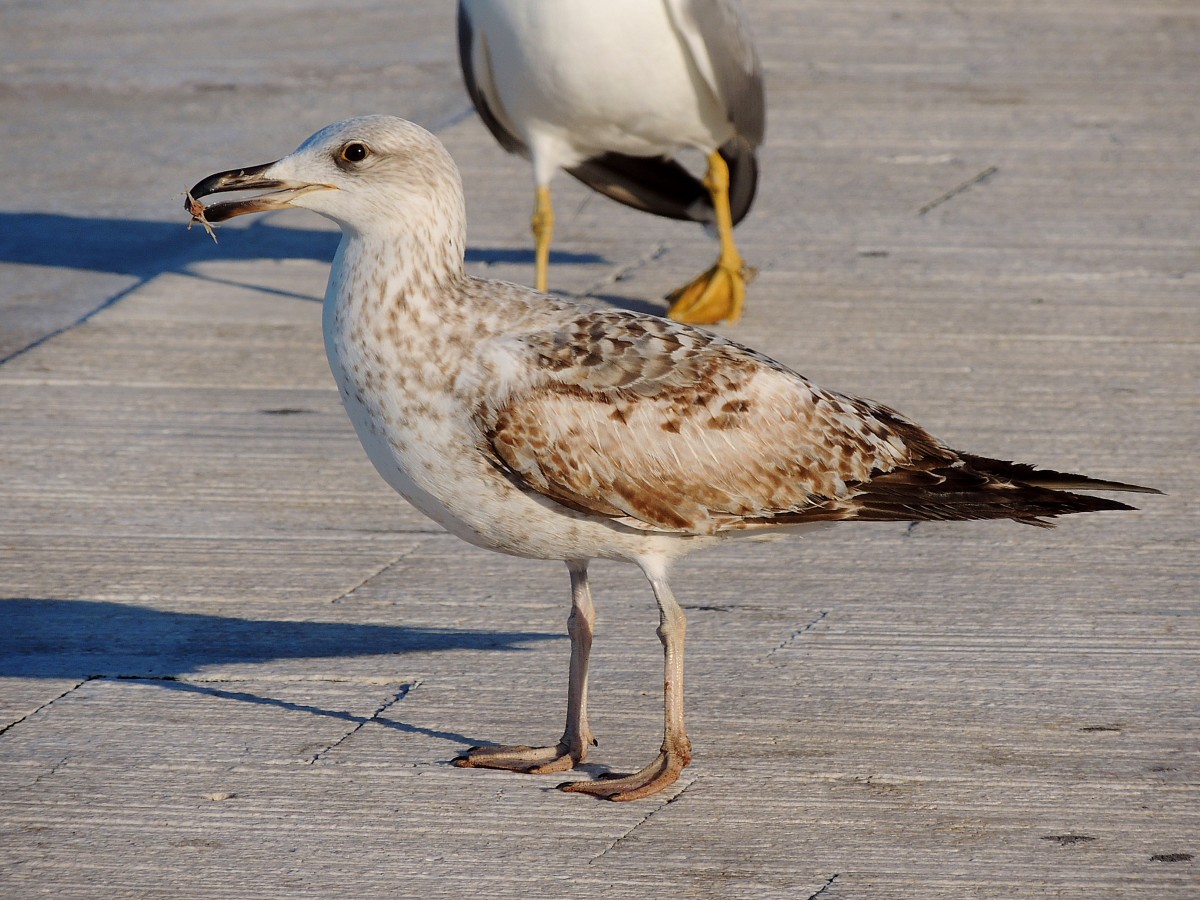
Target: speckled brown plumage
546,428
662,426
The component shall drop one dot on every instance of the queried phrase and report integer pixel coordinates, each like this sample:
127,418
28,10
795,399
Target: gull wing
671,428
663,187
664,427
476,65
717,34
653,184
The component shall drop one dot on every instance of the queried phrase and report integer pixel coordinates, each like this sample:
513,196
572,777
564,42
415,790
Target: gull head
368,174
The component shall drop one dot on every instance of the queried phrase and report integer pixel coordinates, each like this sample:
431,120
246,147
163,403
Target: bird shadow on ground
210,690
90,640
512,256
57,638
146,248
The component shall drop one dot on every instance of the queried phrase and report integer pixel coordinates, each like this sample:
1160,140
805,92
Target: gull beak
255,178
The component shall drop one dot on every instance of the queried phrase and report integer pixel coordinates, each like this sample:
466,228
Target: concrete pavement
234,664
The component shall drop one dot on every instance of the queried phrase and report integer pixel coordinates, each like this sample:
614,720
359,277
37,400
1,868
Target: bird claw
519,758
661,773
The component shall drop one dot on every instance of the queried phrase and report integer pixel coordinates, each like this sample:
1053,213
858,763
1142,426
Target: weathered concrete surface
232,664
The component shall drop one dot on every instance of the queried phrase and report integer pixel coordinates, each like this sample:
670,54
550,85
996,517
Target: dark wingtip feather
742,161
959,487
661,186
653,184
1023,473
466,38
974,495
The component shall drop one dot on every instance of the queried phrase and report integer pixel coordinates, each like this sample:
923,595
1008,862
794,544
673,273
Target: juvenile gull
611,90
553,429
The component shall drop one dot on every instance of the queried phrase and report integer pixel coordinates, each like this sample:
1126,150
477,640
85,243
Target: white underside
428,449
433,461
441,475
576,78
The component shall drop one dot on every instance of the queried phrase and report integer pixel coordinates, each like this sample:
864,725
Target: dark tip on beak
233,180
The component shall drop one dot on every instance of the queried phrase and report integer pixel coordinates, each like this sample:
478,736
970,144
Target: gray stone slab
233,664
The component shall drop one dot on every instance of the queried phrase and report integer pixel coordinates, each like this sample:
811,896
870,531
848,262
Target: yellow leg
542,225
719,293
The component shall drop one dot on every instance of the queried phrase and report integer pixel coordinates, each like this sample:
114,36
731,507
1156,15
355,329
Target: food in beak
196,208
280,194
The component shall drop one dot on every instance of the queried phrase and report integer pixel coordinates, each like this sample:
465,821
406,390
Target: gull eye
355,152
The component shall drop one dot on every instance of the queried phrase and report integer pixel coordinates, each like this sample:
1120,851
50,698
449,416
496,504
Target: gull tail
1023,473
981,488
964,487
659,185
742,161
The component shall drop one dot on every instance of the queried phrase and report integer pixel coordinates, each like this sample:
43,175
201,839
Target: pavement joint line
47,704
371,577
142,277
395,698
447,122
644,819
656,251
826,886
241,285
800,632
81,320
146,277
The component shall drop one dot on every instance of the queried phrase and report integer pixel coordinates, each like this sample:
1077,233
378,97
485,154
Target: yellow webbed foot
715,296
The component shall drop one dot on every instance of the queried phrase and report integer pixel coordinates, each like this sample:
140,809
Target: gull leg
676,751
581,625
720,292
542,225
572,747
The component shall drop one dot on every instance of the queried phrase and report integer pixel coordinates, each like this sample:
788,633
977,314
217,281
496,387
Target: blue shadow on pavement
56,638
145,248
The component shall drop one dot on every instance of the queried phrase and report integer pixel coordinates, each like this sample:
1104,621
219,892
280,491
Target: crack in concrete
371,577
388,703
53,769
643,820
48,704
800,632
826,886
621,272
955,191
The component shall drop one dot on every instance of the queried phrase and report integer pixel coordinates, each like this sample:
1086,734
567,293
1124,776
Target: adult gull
548,428
611,91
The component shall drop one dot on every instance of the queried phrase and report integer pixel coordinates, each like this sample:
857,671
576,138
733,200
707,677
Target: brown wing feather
682,430
957,492
668,427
